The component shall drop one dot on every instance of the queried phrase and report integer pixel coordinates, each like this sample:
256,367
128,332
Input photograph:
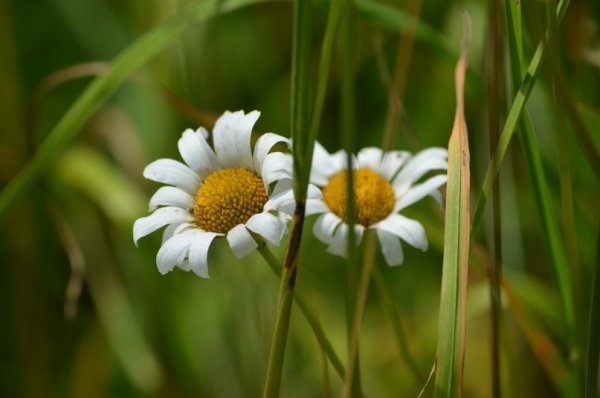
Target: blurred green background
84,313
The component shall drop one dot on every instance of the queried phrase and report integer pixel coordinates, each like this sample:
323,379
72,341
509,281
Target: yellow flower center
228,197
373,196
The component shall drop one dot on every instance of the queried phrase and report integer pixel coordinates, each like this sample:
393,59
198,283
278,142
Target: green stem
284,307
359,310
308,314
387,302
299,120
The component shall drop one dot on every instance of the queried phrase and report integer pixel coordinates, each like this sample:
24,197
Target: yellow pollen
228,197
373,196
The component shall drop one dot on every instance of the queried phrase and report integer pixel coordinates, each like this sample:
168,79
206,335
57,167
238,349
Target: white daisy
384,184
225,191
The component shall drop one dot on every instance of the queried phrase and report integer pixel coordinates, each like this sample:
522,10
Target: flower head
228,190
384,183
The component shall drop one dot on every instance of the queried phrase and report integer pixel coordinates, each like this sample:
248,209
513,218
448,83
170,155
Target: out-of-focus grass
197,337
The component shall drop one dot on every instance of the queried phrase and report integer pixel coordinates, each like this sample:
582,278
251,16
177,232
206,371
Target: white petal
339,241
174,251
411,231
284,201
240,241
392,162
161,217
177,228
370,158
185,265
325,226
232,139
390,247
172,172
324,165
419,191
315,206
198,255
437,195
420,164
171,196
243,140
263,146
276,166
268,226
224,137
196,152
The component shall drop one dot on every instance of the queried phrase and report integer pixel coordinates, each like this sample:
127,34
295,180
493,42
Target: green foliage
85,313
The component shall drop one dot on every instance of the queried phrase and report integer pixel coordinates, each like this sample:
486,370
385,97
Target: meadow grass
504,303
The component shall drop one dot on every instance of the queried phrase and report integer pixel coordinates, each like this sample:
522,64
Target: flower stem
284,307
357,316
307,313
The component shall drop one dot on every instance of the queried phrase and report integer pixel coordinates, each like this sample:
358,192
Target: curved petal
243,140
339,241
174,251
185,265
172,172
268,226
276,166
324,165
198,255
284,200
410,231
161,217
370,158
196,152
423,162
171,196
224,139
418,192
240,241
390,247
392,162
325,226
315,206
173,229
263,145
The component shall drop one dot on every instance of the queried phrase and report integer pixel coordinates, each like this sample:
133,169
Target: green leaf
452,318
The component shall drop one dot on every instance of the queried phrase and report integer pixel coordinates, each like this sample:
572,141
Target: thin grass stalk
396,90
333,21
518,105
541,191
453,296
359,308
352,387
387,302
101,88
494,83
593,335
307,313
299,127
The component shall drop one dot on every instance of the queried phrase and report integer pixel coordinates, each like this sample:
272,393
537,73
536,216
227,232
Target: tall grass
84,313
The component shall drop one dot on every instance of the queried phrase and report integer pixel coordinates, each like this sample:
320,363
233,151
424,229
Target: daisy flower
220,191
385,183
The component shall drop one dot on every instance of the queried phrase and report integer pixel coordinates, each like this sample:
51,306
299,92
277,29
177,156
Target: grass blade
495,84
518,105
593,338
549,227
100,89
452,318
299,128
